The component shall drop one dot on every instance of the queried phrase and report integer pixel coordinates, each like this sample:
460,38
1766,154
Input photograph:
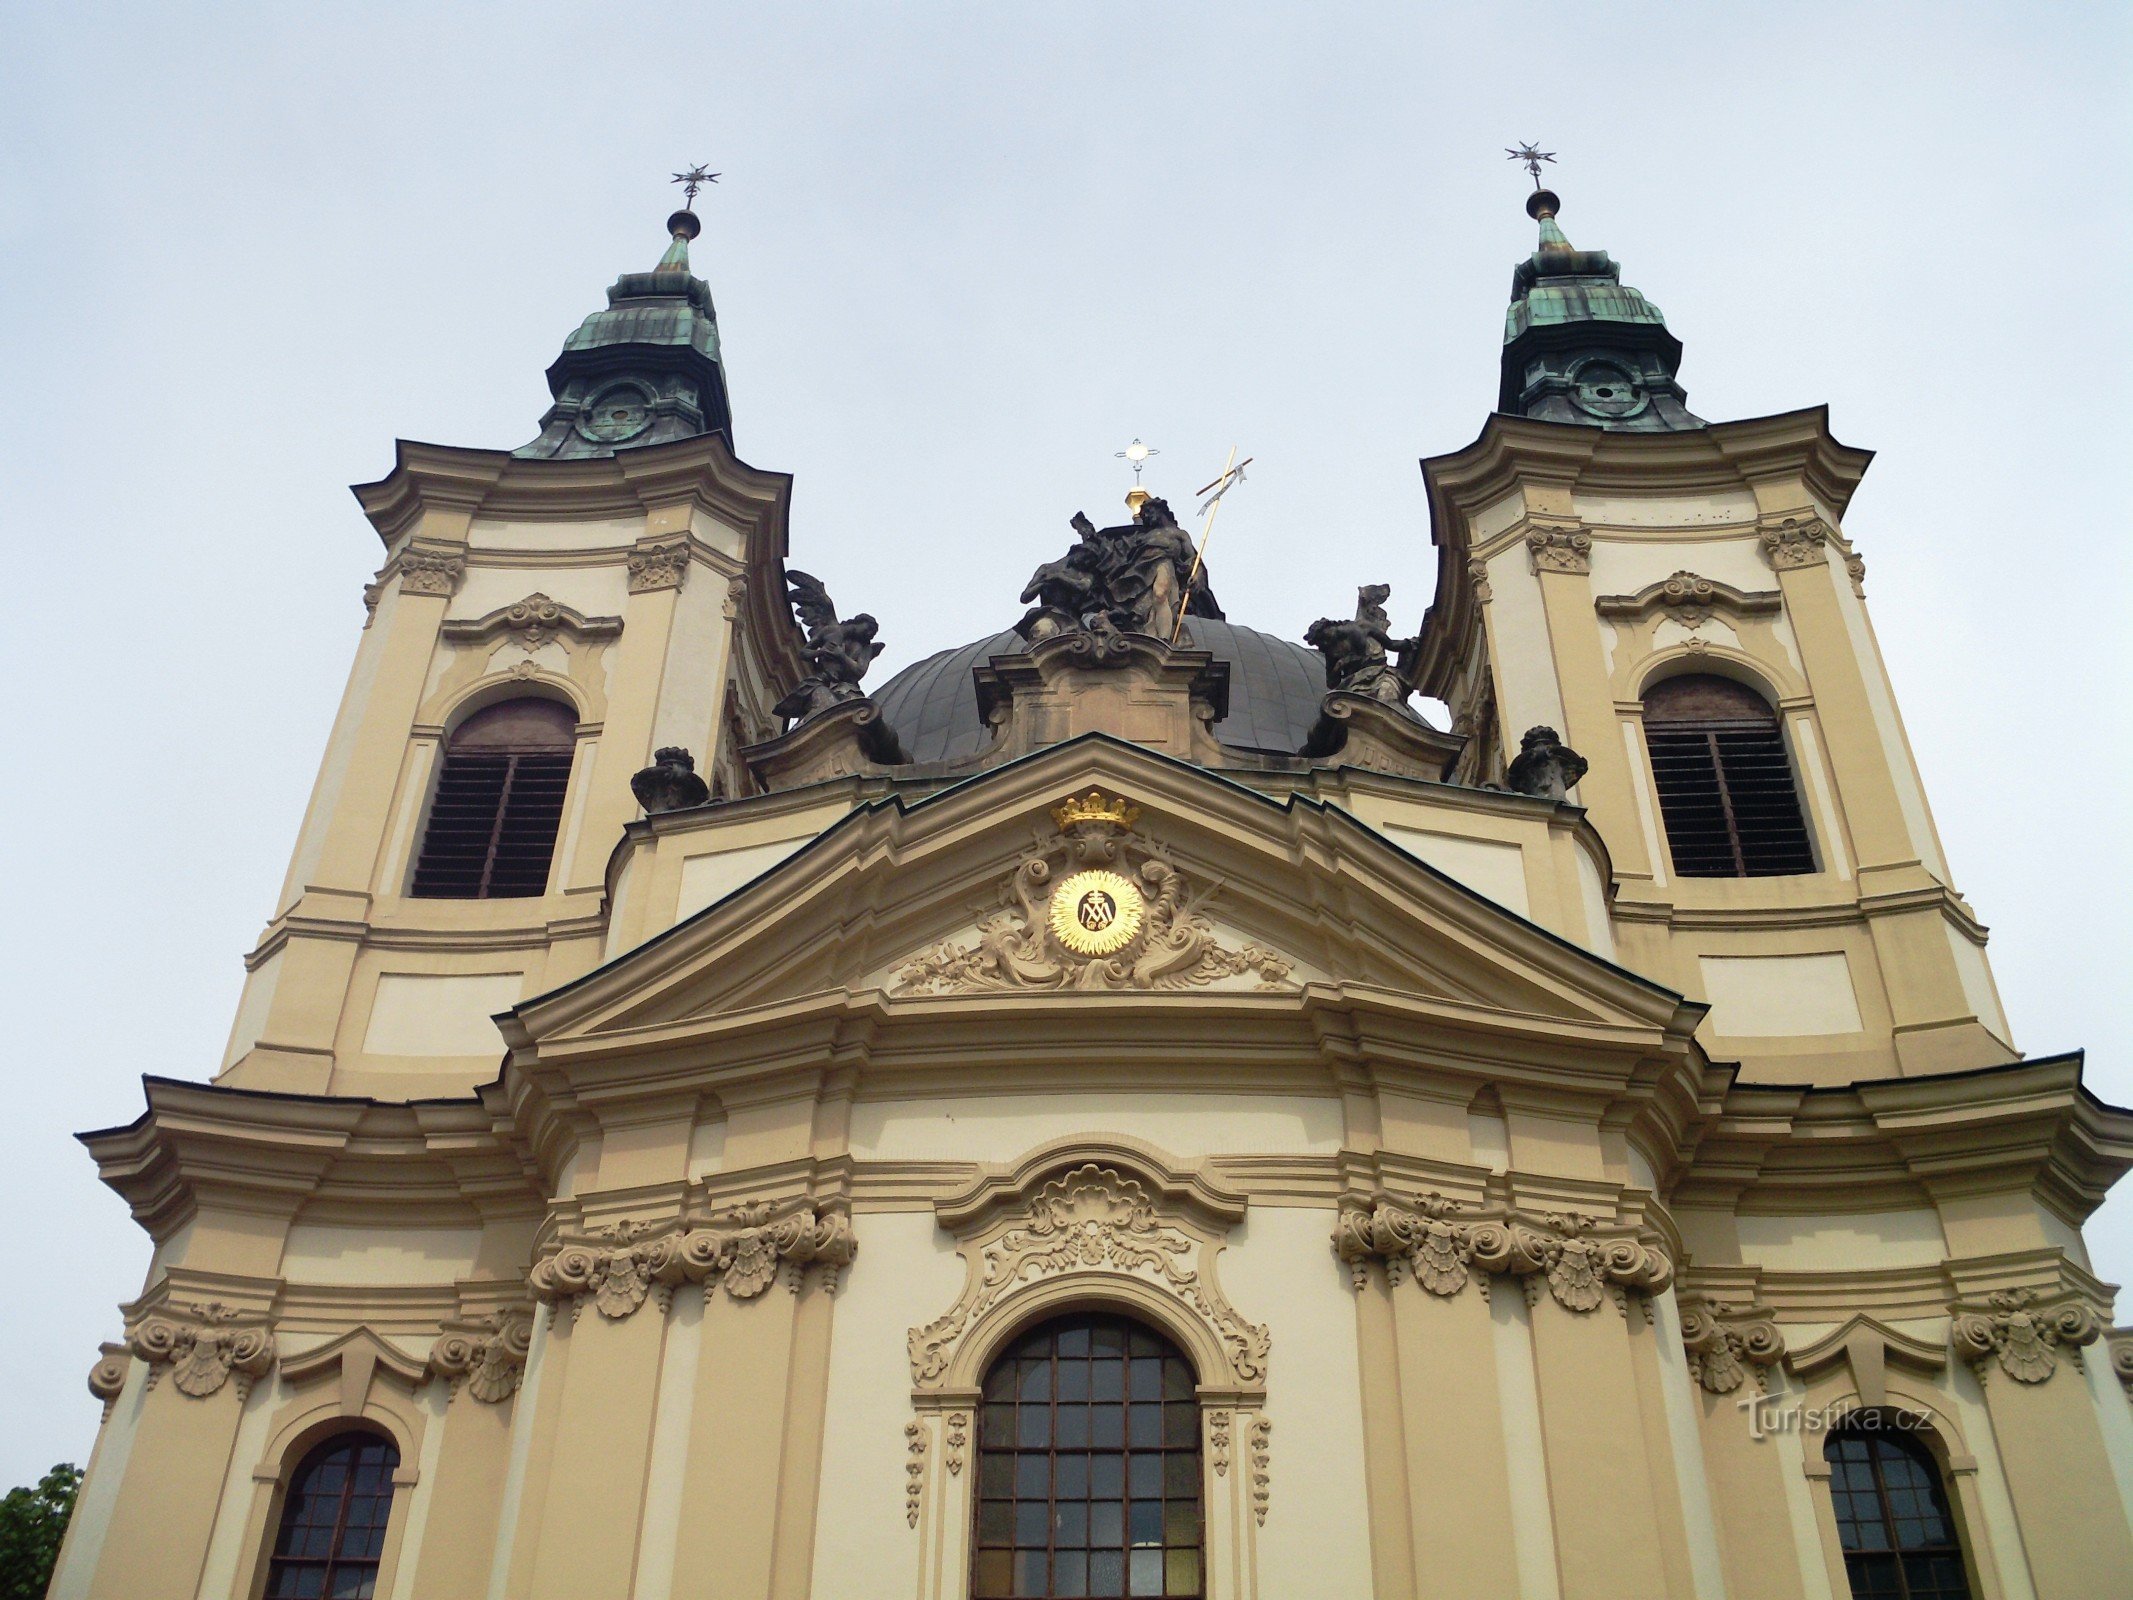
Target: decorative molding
1866,1346
1855,568
958,1440
1560,549
914,1470
1441,1245
2119,1341
1725,1342
1796,542
1093,1218
107,1379
204,1346
531,623
1173,946
746,1249
430,572
2020,1339
1218,1423
1260,1434
736,592
1477,574
371,594
659,564
484,1355
1690,599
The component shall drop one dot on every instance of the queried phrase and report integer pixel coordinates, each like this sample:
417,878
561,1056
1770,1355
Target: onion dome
644,371
1580,346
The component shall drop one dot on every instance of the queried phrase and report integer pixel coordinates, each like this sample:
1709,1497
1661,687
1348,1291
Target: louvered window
1725,781
492,825
1892,1517
332,1533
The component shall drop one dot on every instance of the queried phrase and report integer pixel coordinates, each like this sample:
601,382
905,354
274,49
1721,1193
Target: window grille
1089,1465
492,824
332,1532
1892,1517
1725,780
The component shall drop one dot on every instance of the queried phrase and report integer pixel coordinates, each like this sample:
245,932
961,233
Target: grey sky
962,254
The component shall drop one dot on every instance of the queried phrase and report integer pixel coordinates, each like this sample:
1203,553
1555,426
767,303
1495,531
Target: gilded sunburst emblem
1096,913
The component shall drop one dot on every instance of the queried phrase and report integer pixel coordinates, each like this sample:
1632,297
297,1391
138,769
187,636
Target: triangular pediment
938,907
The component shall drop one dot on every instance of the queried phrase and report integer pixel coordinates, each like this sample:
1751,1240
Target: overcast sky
961,255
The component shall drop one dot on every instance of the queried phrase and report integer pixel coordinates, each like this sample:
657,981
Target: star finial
1530,156
691,181
1138,454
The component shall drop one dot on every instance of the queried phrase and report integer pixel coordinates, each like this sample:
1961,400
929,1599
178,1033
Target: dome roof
1275,688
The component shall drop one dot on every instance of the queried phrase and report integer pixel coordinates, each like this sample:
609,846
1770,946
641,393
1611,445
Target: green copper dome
1581,346
645,370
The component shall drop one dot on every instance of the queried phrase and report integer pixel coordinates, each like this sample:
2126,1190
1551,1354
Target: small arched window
492,825
1089,1465
332,1531
1892,1516
1725,781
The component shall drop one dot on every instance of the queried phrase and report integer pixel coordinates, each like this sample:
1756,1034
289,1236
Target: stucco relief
746,1249
2022,1339
203,1347
1092,1219
531,623
661,565
1560,550
1796,542
1442,1244
429,572
485,1356
1726,1343
1168,943
107,1379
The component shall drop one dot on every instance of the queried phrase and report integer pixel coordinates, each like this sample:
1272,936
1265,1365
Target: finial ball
1542,203
684,225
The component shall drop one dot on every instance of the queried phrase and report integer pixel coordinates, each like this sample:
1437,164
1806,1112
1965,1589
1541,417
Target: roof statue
1122,579
1356,652
838,652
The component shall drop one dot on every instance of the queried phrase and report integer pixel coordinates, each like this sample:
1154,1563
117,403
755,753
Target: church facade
1126,1106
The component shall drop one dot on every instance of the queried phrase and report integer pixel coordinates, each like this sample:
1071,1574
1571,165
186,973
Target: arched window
1089,1465
1725,781
492,825
333,1521
1892,1516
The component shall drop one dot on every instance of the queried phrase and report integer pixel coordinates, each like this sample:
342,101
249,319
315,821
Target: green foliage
32,1522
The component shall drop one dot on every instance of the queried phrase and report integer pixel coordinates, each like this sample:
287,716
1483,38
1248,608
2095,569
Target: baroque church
1127,1106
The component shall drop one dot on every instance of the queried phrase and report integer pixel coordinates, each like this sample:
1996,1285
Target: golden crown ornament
1093,807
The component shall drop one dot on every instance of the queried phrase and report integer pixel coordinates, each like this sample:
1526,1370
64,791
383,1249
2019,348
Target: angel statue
838,653
1357,659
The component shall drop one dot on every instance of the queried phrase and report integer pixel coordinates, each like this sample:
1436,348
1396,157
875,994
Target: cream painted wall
319,1253
593,591
1599,926
1763,997
1278,1270
708,879
1003,1128
1525,1454
253,1009
907,1273
1666,511
600,533
100,1490
1488,868
340,749
1903,770
692,685
433,1014
1624,566
1525,670
1864,1240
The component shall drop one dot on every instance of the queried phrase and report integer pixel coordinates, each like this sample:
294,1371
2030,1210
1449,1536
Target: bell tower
546,619
1680,602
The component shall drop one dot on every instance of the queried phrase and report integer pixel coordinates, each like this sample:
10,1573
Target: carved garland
2020,1339
203,1347
485,1356
1560,1250
1726,1343
745,1249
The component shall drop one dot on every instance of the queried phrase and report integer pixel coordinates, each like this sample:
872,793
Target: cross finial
691,181
1530,156
1138,454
